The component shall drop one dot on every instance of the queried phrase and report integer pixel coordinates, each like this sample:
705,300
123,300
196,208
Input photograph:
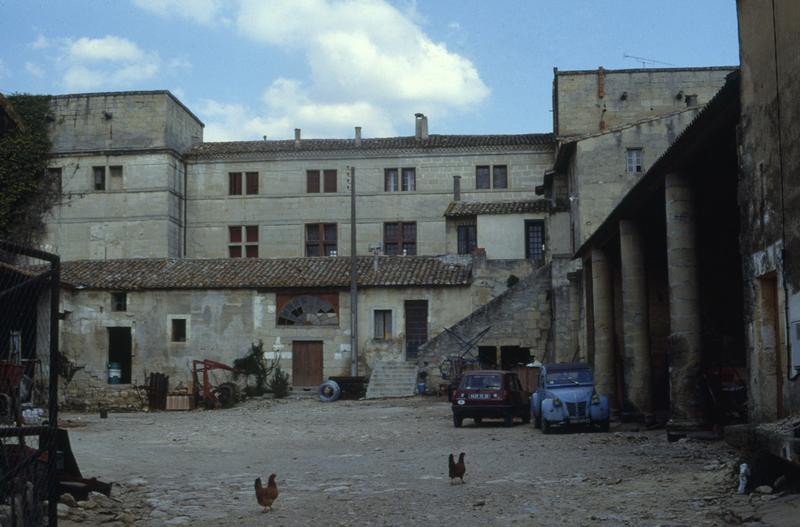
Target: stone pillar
603,314
636,328
687,399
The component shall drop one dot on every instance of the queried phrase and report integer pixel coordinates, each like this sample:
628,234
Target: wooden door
306,363
416,326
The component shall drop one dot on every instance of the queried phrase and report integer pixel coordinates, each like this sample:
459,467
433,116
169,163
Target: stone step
392,379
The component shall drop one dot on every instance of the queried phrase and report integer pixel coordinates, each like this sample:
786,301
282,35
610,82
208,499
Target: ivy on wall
26,191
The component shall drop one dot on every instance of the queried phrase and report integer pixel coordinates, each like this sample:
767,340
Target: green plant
279,383
512,280
28,190
253,365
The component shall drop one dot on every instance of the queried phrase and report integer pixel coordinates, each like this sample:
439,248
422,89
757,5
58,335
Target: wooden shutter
312,181
330,181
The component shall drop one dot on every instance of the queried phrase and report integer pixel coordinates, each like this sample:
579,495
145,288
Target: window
99,178
467,239
488,177
115,176
119,301
246,245
400,238
178,333
321,239
252,182
395,180
534,240
235,183
634,158
328,182
54,174
308,309
383,324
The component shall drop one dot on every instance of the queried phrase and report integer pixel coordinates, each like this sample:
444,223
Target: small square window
499,176
634,161
178,330
312,181
409,182
383,324
482,180
119,301
391,180
99,178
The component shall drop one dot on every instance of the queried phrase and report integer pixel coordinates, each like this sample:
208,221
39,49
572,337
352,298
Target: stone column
603,314
687,398
636,328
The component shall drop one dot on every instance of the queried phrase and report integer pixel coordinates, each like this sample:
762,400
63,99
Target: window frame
119,298
234,183
251,183
321,242
402,179
474,238
186,321
328,181
634,154
400,241
99,178
385,314
528,252
486,177
241,243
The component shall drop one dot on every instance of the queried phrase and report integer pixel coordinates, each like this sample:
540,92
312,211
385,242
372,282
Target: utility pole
353,276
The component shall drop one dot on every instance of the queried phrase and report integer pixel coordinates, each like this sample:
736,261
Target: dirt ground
385,463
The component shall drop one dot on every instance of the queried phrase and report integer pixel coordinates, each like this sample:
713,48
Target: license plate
479,396
579,420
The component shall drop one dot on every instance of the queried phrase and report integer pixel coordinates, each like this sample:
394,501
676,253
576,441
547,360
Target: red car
490,394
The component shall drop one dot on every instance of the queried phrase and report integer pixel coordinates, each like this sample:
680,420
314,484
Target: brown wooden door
416,326
306,363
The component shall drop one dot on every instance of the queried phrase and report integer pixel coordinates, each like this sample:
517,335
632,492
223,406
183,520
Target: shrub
279,383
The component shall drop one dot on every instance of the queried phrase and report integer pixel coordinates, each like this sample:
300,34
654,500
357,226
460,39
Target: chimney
297,138
421,126
456,188
358,136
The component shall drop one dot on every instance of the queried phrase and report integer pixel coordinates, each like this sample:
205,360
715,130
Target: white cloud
41,42
34,69
106,48
206,12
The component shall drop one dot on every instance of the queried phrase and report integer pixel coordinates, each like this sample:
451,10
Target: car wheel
478,420
508,419
604,425
545,426
457,421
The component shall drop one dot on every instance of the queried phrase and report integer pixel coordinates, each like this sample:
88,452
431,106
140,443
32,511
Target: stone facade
769,165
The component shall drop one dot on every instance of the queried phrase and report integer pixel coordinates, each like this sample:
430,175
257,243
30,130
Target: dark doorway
513,356
306,363
120,351
534,240
416,326
487,355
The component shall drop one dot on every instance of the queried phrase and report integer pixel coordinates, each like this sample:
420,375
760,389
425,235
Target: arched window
308,310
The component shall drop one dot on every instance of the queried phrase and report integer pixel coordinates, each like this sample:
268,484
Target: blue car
566,396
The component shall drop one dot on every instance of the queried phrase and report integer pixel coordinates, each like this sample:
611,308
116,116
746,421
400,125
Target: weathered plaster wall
628,95
503,235
283,207
769,199
601,178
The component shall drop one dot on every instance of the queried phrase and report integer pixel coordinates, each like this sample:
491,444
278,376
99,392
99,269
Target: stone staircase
392,379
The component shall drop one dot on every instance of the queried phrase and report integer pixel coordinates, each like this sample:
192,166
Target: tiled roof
433,142
466,208
265,273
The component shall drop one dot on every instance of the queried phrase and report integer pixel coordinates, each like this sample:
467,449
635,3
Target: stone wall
282,207
596,100
769,203
518,317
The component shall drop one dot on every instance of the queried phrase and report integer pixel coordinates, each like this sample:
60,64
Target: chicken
456,470
266,495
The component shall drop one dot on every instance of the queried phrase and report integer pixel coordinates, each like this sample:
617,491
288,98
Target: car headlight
595,399
556,402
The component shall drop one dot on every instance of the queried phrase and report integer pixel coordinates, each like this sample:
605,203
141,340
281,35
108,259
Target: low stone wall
89,393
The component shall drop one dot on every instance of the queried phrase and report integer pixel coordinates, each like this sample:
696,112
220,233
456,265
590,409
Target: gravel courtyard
385,463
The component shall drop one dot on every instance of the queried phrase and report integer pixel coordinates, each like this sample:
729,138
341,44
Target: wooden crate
180,402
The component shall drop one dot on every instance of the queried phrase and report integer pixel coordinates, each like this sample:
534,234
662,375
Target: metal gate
29,366
416,326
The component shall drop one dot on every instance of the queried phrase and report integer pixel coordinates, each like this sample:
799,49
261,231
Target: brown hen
456,469
266,495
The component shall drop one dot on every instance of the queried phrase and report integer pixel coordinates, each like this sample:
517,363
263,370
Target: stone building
769,201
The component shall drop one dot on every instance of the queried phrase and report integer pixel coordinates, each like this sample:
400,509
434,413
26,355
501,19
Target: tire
329,391
508,419
546,429
227,394
457,421
478,420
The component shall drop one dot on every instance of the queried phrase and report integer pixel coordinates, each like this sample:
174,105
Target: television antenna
645,61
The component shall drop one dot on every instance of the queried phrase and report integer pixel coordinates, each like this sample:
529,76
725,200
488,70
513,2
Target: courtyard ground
385,463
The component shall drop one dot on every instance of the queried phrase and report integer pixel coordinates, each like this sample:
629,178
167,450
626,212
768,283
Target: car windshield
569,377
489,381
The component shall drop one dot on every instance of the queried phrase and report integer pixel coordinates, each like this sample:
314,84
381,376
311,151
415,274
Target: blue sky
250,68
